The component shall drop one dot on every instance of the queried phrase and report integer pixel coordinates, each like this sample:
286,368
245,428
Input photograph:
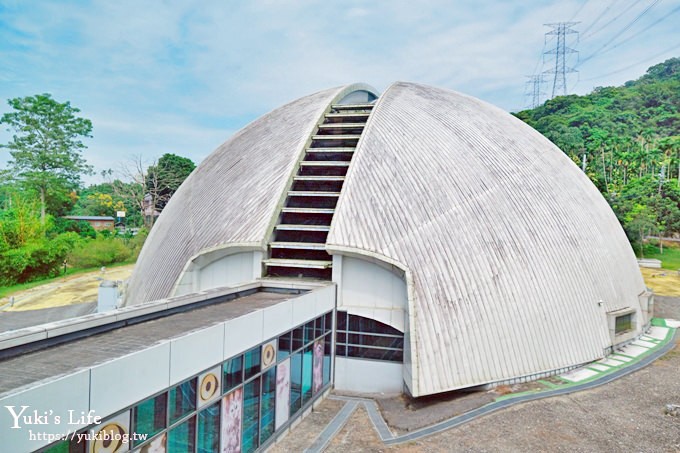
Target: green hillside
628,140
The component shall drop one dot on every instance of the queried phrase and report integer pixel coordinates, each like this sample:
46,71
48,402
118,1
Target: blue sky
181,77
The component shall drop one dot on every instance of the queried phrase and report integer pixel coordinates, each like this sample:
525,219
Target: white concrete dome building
438,216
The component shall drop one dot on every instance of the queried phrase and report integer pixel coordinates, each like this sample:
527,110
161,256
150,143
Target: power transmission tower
560,71
534,89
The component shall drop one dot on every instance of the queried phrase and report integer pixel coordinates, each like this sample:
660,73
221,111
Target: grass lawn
9,290
670,258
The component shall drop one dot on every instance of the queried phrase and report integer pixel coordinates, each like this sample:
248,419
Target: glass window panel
251,415
309,332
318,327
623,323
375,354
209,429
354,338
268,412
150,416
182,438
342,320
298,335
251,363
341,337
376,340
340,350
182,400
357,324
233,373
329,322
365,325
327,360
295,382
307,359
285,345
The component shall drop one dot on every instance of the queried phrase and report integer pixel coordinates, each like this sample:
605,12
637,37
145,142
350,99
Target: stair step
308,210
316,193
330,150
347,115
319,178
308,264
297,227
341,125
298,245
324,163
336,137
352,106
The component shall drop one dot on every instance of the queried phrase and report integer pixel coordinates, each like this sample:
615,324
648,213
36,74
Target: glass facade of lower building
235,406
365,338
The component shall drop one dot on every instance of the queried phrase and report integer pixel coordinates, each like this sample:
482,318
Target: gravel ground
667,307
624,416
304,434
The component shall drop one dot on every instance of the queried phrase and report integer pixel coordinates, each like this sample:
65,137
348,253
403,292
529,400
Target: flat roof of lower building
66,358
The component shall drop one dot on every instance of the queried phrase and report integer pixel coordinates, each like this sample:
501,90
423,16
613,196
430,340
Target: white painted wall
226,271
220,268
368,376
55,399
134,377
371,290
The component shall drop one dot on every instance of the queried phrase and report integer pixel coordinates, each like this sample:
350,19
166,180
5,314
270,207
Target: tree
642,221
46,145
164,178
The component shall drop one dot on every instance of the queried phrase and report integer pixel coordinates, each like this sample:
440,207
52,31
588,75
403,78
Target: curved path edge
389,438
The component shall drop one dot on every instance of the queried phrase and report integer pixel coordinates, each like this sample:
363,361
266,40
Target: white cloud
177,77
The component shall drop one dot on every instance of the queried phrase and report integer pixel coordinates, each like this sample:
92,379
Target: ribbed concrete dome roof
230,198
506,244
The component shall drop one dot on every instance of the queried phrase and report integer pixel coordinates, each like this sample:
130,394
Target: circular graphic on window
209,387
268,355
109,439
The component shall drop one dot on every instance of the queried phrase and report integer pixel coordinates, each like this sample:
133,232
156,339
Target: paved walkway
655,343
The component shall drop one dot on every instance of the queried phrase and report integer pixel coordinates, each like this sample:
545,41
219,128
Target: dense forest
627,140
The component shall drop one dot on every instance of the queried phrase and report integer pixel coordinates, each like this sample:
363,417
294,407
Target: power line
611,21
597,19
643,30
579,10
626,28
634,64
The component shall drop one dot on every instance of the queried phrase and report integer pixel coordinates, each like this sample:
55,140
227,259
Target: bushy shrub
35,259
99,252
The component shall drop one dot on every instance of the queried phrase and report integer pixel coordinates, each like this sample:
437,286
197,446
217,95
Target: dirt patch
70,290
662,281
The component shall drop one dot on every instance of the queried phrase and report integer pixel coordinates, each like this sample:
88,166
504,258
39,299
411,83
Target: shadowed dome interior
512,259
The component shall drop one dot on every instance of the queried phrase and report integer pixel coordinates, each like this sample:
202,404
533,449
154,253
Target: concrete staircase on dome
298,248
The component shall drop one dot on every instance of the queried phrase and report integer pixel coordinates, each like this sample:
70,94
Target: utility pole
534,89
560,70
